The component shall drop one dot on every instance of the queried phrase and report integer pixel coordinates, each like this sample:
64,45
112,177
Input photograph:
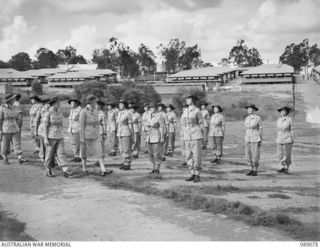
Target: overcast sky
215,25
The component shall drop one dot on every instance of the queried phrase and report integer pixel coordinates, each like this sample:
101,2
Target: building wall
266,87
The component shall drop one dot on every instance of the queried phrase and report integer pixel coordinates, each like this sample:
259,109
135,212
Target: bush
36,87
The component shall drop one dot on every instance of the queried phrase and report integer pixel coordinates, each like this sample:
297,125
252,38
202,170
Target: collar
191,107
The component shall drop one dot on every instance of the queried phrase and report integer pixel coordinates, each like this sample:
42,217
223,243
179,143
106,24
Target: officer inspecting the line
284,139
36,105
253,138
125,133
112,128
54,139
193,138
10,119
74,127
155,136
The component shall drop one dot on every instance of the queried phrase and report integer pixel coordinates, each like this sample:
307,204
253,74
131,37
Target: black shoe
49,173
22,160
107,172
250,173
68,174
127,167
36,152
135,156
6,162
145,152
286,171
204,147
77,160
191,178
218,161
112,154
254,173
213,160
196,179
157,172
281,171
170,154
184,164
163,159
151,172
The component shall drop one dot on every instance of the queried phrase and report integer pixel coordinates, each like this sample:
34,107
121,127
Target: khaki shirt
74,117
89,124
284,130
172,120
39,121
183,122
53,121
33,112
102,122
112,120
145,117
253,126
124,120
136,121
10,118
206,117
193,124
217,125
155,123
165,123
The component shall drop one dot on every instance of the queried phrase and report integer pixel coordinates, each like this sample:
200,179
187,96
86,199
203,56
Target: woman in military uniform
36,105
182,129
90,145
172,120
54,139
253,138
155,135
112,128
144,121
284,139
164,146
125,133
102,124
74,127
137,127
205,127
193,138
216,131
10,123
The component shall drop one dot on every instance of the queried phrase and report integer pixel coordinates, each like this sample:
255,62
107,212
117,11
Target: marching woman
39,129
284,139
155,135
216,131
36,105
10,119
193,138
137,128
172,120
90,145
205,127
125,133
102,124
253,138
74,127
54,139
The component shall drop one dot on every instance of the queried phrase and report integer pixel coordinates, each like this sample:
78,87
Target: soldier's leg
77,144
50,154
5,145
61,155
126,146
214,147
83,155
157,156
248,154
280,153
219,147
205,137
287,152
182,144
16,144
197,155
165,145
189,158
255,150
170,143
135,144
138,143
42,151
34,139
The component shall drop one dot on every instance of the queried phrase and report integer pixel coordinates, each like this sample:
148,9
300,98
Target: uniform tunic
89,134
205,127
74,129
32,113
284,139
172,120
39,131
112,129
136,122
155,135
253,137
124,121
10,119
216,131
53,131
193,138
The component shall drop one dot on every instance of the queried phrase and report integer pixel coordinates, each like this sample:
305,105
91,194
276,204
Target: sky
214,25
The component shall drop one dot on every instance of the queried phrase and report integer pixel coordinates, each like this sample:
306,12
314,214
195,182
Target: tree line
176,54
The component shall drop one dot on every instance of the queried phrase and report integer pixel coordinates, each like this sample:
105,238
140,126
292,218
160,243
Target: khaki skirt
91,149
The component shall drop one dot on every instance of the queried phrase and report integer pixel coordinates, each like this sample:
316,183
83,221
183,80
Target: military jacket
193,124
123,121
206,117
74,120
112,120
155,123
102,122
136,121
145,117
172,120
33,112
89,124
217,125
39,121
284,130
53,121
253,126
11,119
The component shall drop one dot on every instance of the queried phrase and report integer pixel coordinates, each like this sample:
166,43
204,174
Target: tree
146,60
46,58
78,59
241,55
315,55
69,55
190,58
36,87
20,61
4,64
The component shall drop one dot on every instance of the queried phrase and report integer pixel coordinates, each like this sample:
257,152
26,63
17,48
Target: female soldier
74,127
137,127
193,138
112,128
125,133
39,129
216,131
90,145
155,136
102,124
144,121
253,138
205,127
172,120
54,139
284,139
161,111
182,128
10,119
36,105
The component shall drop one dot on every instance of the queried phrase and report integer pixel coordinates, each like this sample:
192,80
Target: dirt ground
130,205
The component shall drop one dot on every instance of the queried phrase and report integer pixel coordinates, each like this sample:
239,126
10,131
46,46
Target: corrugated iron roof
269,69
83,74
78,67
44,72
204,72
15,75
7,70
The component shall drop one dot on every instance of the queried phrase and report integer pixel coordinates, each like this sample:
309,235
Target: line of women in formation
89,126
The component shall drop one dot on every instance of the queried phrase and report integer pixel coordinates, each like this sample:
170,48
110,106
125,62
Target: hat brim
253,107
74,100
11,98
219,107
35,98
285,108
